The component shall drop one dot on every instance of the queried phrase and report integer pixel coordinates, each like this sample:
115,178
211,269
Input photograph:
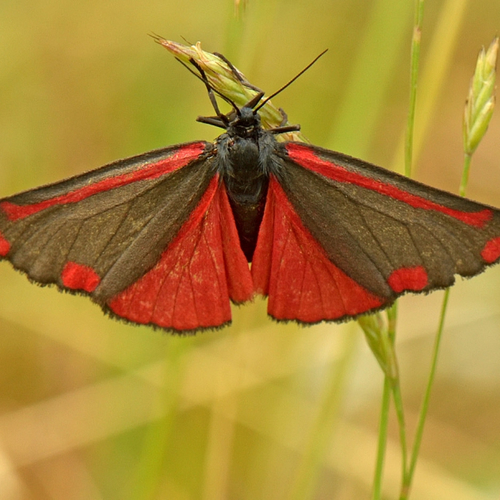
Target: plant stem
414,64
394,380
425,403
465,174
382,440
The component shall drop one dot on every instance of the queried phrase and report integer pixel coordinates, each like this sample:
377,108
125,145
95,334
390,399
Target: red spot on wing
408,278
304,156
149,171
79,277
196,276
491,251
291,268
4,246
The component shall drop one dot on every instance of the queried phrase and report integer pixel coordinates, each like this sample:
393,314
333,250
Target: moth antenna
211,90
237,73
267,99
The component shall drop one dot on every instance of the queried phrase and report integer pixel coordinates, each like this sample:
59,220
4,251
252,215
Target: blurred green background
95,409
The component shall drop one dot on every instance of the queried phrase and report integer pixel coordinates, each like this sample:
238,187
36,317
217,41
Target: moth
171,237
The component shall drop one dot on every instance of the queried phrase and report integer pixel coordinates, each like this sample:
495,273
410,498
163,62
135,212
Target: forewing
387,234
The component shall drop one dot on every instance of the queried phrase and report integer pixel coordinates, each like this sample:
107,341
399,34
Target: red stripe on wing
304,156
291,268
152,171
197,275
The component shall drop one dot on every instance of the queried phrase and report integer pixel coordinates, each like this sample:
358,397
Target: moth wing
102,232
341,237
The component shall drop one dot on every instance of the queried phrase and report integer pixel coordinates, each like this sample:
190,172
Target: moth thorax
243,159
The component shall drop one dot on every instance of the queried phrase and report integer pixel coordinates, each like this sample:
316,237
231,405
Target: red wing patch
197,275
491,251
414,279
4,246
291,268
79,277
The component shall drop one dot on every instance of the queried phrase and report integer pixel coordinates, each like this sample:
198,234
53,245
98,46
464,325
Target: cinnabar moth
165,238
